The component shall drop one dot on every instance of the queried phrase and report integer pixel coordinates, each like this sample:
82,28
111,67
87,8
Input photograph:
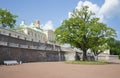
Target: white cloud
69,14
48,25
110,8
92,7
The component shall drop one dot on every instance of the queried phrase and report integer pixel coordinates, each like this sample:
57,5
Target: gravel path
59,70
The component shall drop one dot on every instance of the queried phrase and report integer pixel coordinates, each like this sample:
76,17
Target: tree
84,31
7,19
114,47
99,49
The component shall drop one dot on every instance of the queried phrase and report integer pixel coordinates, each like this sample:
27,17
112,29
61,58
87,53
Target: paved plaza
59,70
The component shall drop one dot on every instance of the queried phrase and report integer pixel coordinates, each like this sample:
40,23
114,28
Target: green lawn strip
87,62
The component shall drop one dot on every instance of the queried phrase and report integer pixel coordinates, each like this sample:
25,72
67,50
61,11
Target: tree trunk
96,57
85,55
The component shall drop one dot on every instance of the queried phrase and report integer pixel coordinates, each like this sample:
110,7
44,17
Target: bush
119,56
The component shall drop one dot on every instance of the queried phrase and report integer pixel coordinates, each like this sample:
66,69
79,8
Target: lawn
87,62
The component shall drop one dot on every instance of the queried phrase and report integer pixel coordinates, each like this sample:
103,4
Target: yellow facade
31,32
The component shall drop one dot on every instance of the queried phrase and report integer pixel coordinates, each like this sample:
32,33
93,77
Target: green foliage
7,19
87,62
119,56
84,31
114,47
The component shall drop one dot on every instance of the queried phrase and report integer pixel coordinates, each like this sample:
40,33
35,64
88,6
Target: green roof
36,28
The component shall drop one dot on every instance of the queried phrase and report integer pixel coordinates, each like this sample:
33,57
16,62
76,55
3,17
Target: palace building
35,32
30,43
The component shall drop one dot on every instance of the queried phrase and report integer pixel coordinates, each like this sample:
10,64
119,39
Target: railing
3,43
15,39
20,42
16,42
67,49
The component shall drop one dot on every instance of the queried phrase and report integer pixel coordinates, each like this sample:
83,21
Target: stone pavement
59,70
114,61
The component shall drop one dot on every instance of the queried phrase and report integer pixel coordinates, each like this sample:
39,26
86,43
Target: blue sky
52,12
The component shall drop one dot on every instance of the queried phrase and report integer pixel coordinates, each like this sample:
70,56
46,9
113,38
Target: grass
87,62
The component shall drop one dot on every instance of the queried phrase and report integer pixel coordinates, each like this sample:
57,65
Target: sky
52,12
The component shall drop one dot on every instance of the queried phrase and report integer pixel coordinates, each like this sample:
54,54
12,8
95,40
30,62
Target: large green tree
84,31
7,19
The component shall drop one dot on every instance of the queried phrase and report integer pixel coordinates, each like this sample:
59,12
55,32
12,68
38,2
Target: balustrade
8,40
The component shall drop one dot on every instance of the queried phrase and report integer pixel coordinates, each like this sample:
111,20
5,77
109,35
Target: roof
34,27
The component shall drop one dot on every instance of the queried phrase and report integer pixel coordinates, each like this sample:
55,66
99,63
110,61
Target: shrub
119,56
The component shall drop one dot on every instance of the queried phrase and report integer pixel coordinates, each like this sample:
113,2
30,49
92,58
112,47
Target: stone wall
12,48
15,48
29,55
108,57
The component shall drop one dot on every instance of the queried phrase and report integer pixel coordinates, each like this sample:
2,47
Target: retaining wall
29,55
